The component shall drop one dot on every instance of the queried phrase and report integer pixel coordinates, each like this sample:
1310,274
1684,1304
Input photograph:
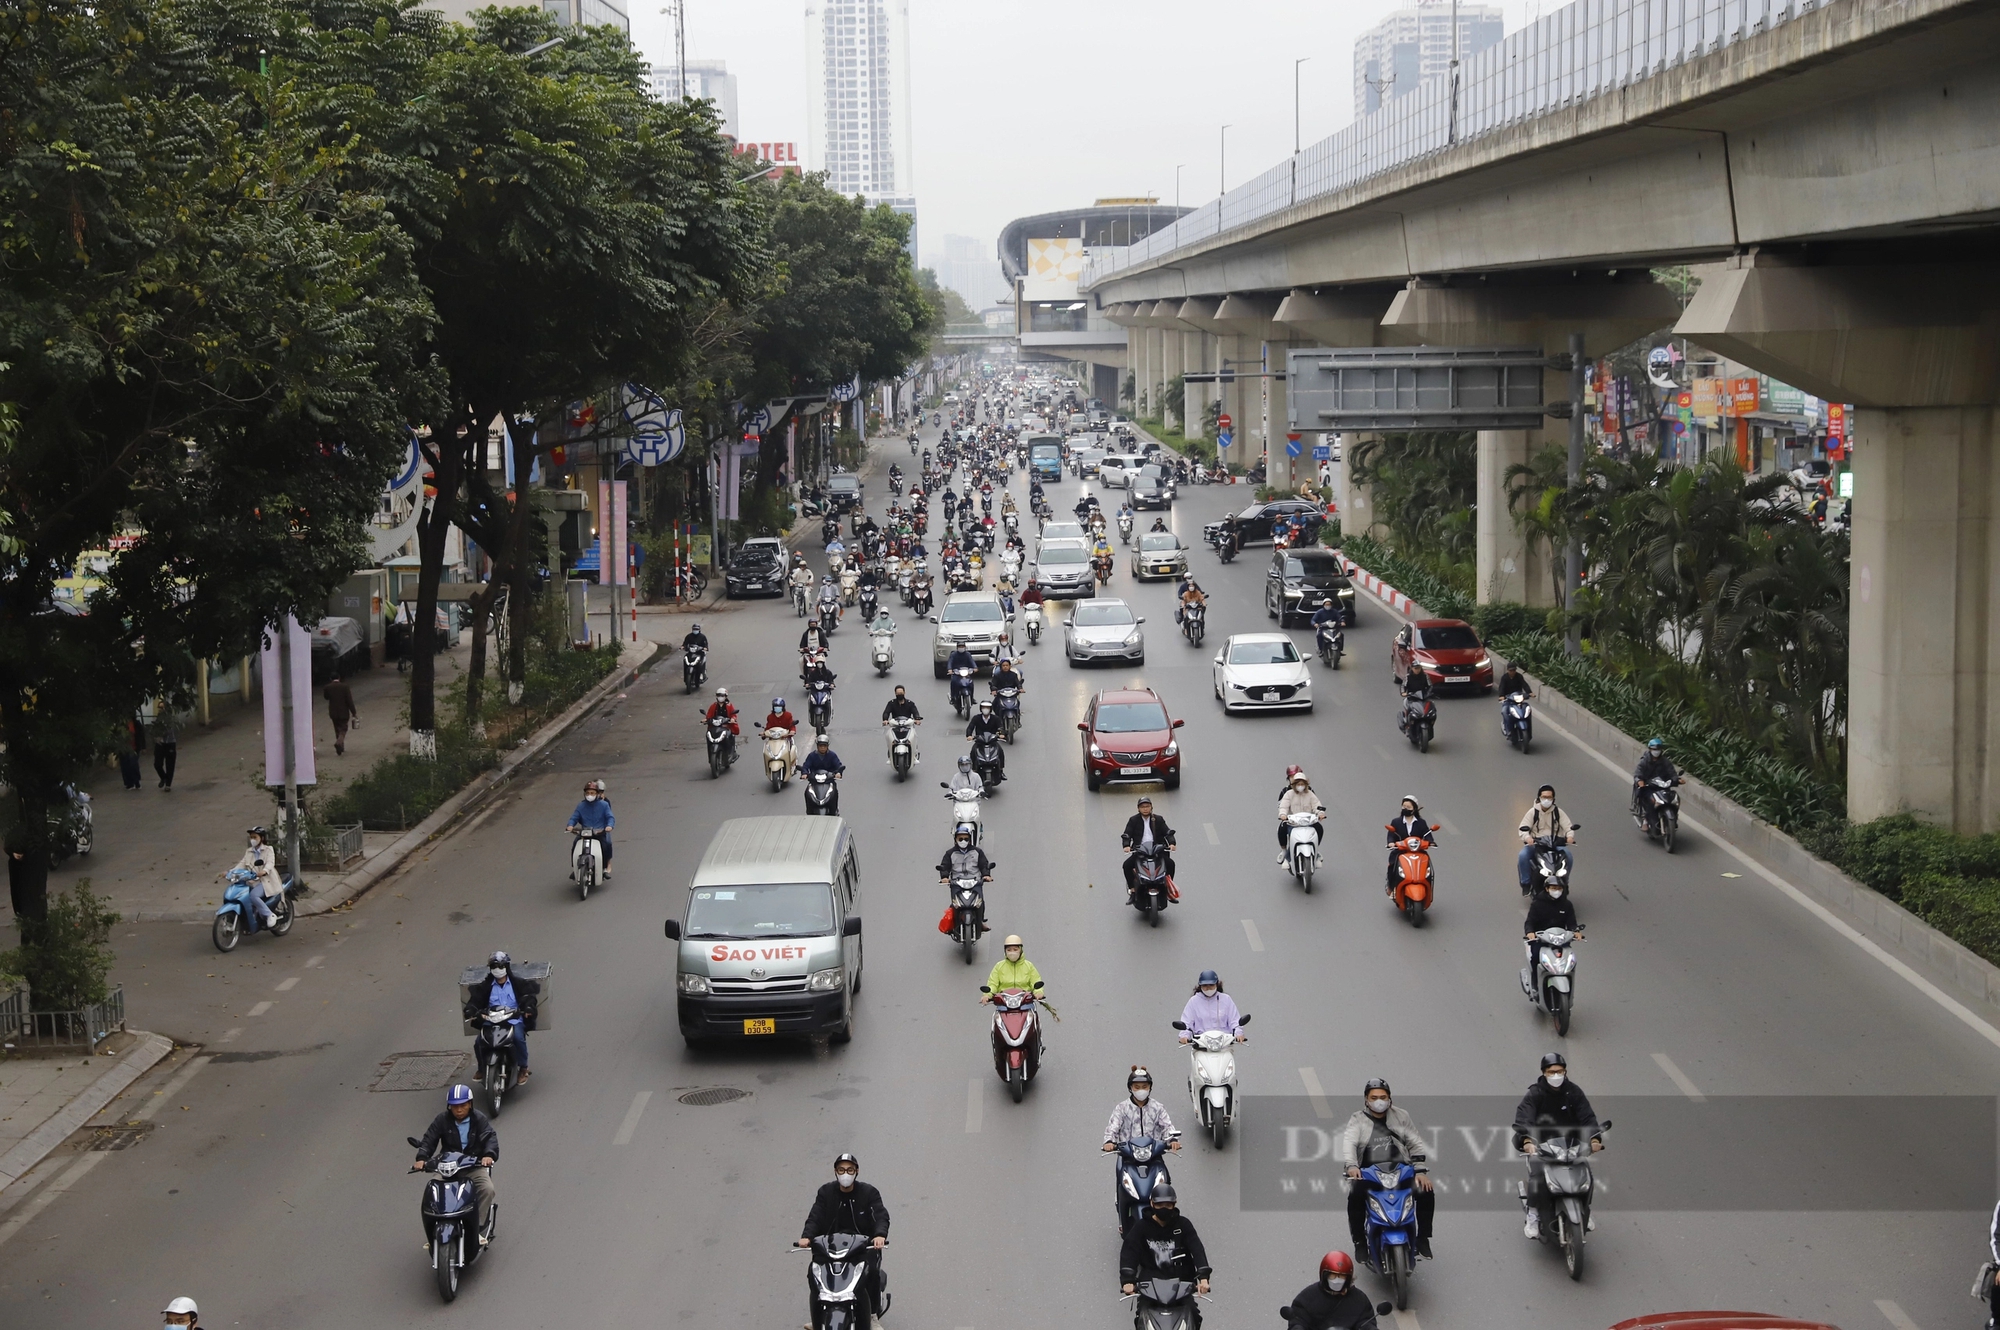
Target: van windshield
789,909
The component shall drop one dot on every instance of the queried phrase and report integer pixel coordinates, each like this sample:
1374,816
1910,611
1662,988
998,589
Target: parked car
1128,736
1103,628
1261,671
754,569
1299,581
1159,554
1446,649
1254,523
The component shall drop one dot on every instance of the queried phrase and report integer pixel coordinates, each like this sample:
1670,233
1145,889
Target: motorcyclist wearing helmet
1299,798
964,859
695,638
1159,525
1163,1245
1513,681
964,779
260,859
814,638
1013,970
1139,1114
823,758
817,674
1333,1303
465,1129
501,988
849,1205
1554,1106
1551,908
1653,765
181,1312
1544,819
1381,1133
1210,1008
1145,831
1409,821
985,725
593,813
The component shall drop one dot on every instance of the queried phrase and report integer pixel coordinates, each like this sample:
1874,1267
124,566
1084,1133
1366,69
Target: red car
1127,735
1447,650
1719,1321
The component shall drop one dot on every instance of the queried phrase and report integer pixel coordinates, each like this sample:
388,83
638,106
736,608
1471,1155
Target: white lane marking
313,962
974,1105
289,984
1445,823
631,1122
1896,1315
229,1036
1213,839
143,1113
1679,1078
1250,931
261,1008
1321,1109
1407,1321
1821,912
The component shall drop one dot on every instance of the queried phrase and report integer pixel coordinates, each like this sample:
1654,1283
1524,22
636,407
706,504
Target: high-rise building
858,98
706,79
971,269
591,13
1414,44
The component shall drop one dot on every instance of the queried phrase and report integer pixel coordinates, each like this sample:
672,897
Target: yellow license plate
766,1025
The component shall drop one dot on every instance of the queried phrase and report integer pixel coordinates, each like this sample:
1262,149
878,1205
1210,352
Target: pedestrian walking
128,752
340,707
166,747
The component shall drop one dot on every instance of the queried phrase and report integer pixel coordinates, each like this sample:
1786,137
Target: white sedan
1261,671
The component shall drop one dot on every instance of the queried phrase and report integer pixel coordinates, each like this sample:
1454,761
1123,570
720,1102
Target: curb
481,786
1774,854
39,1143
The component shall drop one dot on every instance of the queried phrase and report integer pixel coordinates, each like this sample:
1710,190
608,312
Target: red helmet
1292,771
1336,1263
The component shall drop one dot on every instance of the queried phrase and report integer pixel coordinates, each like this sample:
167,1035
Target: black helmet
1138,1075
499,960
965,763
1163,1193
1554,1060
845,1158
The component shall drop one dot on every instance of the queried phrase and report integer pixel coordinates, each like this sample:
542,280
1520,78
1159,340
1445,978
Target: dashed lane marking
1895,1315
1213,839
313,962
1321,1109
229,1036
261,1008
632,1115
289,984
1250,932
1679,1078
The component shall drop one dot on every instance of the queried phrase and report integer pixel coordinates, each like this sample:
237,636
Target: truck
1045,457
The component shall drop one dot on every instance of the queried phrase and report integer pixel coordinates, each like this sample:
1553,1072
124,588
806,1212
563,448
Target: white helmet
181,1307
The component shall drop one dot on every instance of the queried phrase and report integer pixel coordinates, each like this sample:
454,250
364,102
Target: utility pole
1177,185
286,702
679,11
1451,125
1579,375
1295,123
1222,177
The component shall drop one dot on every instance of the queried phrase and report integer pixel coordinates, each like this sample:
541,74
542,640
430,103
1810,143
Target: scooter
1194,622
721,745
78,828
1332,644
850,585
1017,1038
493,1050
586,860
841,1298
1547,863
1565,1165
819,708
1416,879
799,600
822,795
1212,1079
869,602
238,917
920,596
1302,848
882,651
986,762
1517,720
1391,1216
1142,1165
1032,616
1552,986
1154,890
902,745
964,809
968,913
1418,722
1658,814
694,667
778,757
961,691
1163,1304
1124,529
1007,702
449,1208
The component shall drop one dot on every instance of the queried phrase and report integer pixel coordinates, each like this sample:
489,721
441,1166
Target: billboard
1053,269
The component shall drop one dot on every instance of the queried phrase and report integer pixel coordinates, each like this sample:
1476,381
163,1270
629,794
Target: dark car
1446,649
1128,736
1300,581
756,570
1151,487
843,492
1253,524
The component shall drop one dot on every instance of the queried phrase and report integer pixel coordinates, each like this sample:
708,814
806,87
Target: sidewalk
44,1099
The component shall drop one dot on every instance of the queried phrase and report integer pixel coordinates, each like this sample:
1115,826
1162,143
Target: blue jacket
827,761
593,813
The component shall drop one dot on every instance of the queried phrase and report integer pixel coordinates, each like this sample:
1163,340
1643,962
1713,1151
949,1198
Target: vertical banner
620,543
602,520
299,646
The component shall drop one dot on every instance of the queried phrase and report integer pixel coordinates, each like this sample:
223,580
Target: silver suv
1062,568
969,619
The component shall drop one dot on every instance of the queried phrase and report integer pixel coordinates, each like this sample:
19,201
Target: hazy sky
1026,106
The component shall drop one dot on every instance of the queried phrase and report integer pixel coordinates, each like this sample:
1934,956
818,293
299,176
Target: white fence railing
1585,49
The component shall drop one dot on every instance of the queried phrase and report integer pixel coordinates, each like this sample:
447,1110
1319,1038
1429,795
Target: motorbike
1212,1079
1124,529
920,596
449,1208
964,809
1012,521
968,913
778,757
1142,1165
494,1052
986,762
1302,848
799,599
1017,1038
1102,566
1033,616
1416,879
586,860
1565,1166
1194,622
1007,702
822,795
902,745
1154,890
819,707
882,651
1552,984
869,603
1391,1216
694,667
1418,722
850,585
77,830
1547,863
721,745
841,1297
237,917
1332,643
1163,1304
1225,547
829,611
1658,813
1517,720
829,530
961,691
913,445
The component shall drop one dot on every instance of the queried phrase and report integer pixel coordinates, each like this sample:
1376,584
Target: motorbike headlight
826,981
1095,751
694,985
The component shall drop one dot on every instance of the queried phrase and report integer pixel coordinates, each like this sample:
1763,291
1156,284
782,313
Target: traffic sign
1223,422
1322,452
1292,447
1224,438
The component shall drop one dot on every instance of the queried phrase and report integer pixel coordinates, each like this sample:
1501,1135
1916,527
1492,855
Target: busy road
273,1180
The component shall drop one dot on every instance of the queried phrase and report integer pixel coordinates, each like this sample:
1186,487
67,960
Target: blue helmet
1656,743
777,704
458,1094
1208,977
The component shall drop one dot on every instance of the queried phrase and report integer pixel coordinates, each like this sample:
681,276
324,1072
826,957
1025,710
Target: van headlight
826,981
694,985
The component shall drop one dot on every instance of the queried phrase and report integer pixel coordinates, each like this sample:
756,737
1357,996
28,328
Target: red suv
1447,650
1127,735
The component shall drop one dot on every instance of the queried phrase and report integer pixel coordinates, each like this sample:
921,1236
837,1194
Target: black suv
1253,524
1300,581
753,571
1151,487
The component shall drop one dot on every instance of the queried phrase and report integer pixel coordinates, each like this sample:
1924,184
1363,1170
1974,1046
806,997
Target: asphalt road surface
271,1185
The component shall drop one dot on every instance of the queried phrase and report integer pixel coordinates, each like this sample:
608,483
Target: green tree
1422,486
949,304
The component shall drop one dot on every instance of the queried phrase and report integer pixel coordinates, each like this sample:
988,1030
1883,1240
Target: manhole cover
120,1137
720,1094
418,1071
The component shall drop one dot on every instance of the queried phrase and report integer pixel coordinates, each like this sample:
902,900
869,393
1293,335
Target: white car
1103,629
1116,470
1261,672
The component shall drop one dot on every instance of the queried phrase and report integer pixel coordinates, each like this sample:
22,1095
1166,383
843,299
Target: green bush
66,959
1965,909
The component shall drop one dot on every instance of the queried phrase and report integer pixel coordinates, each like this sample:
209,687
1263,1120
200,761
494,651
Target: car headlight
826,981
1482,662
1347,593
1173,746
1095,751
1236,688
695,985
1132,638
1294,593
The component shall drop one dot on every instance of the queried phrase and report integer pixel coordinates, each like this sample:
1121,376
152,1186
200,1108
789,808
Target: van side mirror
674,929
852,928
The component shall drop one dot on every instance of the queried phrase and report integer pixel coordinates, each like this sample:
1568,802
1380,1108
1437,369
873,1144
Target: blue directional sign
1322,452
1224,438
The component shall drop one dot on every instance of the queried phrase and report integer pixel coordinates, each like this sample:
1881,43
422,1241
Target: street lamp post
1177,186
1222,178
679,10
1295,123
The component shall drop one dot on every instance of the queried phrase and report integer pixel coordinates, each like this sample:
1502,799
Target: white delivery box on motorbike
539,971
771,940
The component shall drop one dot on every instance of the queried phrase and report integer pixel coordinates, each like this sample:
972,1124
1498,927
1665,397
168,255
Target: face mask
1207,990
1378,1106
847,1180
1556,1079
1141,1096
1409,811
498,973
1335,1284
1545,804
590,798
1555,893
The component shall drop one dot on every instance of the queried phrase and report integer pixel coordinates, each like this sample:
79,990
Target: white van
771,944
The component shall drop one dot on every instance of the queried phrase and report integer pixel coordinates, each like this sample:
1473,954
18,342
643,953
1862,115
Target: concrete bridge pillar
1350,316
1249,323
1916,349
